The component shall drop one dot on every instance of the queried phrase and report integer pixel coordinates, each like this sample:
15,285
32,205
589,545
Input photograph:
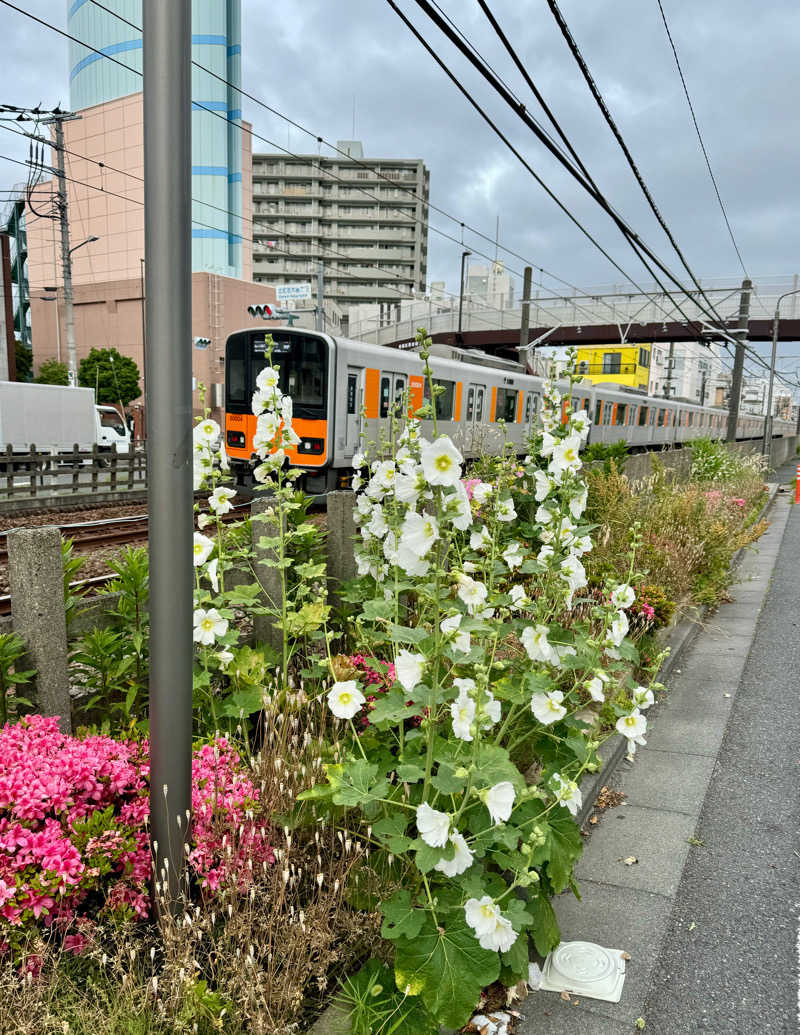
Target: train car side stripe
493,403
520,396
457,414
371,389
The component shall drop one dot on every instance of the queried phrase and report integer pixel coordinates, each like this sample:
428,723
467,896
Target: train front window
236,373
302,365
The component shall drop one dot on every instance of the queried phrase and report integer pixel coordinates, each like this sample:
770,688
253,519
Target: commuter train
344,393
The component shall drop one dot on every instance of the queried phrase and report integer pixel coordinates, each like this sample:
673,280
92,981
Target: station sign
289,292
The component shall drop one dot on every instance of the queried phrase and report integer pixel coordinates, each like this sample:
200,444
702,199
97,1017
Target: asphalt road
729,962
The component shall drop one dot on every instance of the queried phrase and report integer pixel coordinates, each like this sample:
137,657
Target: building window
611,362
644,358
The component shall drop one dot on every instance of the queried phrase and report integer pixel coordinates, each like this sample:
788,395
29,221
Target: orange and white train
344,393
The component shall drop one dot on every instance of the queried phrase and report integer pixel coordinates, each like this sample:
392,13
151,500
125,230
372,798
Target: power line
700,138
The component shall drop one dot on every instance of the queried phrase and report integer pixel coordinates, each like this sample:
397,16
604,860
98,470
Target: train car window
236,371
608,412
302,363
652,420
622,412
642,416
528,408
585,403
479,405
386,389
352,384
506,406
690,420
470,405
399,390
444,402
598,411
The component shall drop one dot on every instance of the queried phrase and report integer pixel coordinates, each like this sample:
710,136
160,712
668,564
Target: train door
400,391
474,415
531,406
355,403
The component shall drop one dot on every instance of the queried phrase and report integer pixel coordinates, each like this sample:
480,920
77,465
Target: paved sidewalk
709,928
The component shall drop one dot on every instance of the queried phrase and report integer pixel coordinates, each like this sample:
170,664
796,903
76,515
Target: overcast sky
311,59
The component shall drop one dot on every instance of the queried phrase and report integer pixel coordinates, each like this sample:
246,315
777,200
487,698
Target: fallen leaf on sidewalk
692,925
593,820
625,955
698,842
566,997
629,860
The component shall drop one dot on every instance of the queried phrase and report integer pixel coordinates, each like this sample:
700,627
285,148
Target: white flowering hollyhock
565,531
451,627
538,647
481,492
597,689
462,711
268,426
410,562
513,555
577,504
544,515
565,456
224,657
519,598
418,533
633,727
220,499
409,668
345,699
365,565
544,555
505,510
549,442
201,548
211,574
573,572
433,826
406,487
567,793
643,698
623,596
364,506
544,485
619,629
287,408
461,861
267,379
491,711
208,625
563,650
356,482
441,462
206,432
581,545
481,541
377,524
547,708
384,473
359,461
580,421
491,928
472,593
204,520
500,801
459,508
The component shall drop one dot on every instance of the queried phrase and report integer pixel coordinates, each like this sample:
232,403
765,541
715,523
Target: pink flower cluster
470,484
73,839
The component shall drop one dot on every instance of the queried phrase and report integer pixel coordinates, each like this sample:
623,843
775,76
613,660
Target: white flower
534,640
359,461
567,793
409,668
481,540
565,455
459,507
267,427
204,520
577,504
441,462
548,444
268,379
409,561
356,483
345,699
505,510
201,548
580,422
481,492
500,801
406,487
544,485
286,408
545,554
208,625
206,432
633,727
461,861
433,826
462,711
581,545
461,641
597,689
220,499
513,555
224,657
623,596
418,533
491,711
643,698
491,928
472,593
543,515
364,506
548,707
377,524
519,598
211,574
573,571
619,628
383,475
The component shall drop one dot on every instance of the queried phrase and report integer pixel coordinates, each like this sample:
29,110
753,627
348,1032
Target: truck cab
112,431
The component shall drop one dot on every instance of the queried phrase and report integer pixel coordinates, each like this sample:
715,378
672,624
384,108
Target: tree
51,372
24,360
116,377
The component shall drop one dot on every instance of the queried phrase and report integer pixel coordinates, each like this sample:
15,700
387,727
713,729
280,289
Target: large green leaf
404,634
400,919
446,967
566,846
391,707
546,934
355,783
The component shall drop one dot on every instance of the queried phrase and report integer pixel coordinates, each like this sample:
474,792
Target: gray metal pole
742,327
66,255
320,319
168,295
525,318
461,291
670,371
767,445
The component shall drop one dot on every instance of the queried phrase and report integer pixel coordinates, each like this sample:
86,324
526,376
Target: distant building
489,286
627,365
694,373
20,289
365,219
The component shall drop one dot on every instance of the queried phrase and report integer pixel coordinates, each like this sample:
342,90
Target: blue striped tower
216,108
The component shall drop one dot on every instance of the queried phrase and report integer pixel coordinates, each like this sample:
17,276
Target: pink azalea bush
73,837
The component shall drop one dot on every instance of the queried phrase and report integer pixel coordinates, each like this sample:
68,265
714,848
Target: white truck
55,418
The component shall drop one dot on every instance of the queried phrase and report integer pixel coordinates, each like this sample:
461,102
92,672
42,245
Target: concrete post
265,627
740,334
341,532
36,579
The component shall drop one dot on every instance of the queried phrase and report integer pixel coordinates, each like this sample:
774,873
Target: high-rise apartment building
366,219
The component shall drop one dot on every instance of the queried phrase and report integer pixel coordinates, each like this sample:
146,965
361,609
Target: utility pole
767,444
670,368
168,301
66,256
742,327
320,317
525,319
461,291
703,377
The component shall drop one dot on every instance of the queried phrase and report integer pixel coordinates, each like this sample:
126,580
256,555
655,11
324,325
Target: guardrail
38,472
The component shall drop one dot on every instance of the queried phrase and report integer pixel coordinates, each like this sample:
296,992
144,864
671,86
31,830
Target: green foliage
114,376
24,361
616,452
52,372
375,1006
72,566
12,651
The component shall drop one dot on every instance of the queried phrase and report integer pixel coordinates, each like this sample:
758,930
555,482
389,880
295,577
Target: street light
461,290
89,240
767,443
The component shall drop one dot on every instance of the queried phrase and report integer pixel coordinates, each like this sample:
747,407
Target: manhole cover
585,969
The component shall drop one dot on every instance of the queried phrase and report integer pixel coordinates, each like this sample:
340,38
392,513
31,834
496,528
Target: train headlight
312,445
236,439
